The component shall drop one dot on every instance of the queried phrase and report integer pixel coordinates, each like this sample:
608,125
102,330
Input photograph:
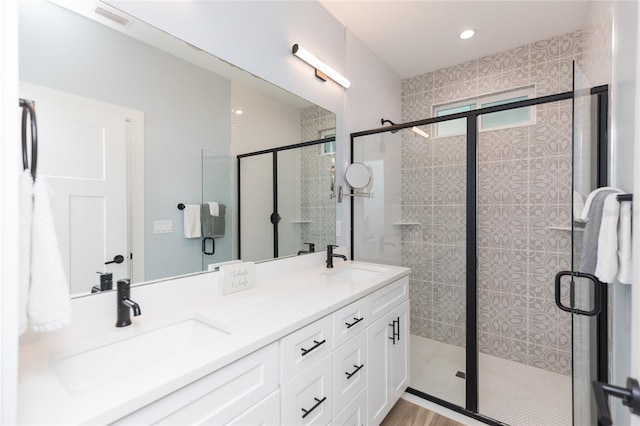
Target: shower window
498,120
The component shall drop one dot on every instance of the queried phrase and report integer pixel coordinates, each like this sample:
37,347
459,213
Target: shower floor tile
509,392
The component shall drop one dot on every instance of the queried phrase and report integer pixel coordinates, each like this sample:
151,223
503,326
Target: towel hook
29,108
180,206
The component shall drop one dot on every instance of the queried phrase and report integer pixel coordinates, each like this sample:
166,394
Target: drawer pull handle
358,367
356,320
317,344
318,402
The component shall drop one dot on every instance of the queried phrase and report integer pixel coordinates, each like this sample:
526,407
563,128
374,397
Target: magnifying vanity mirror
358,177
134,122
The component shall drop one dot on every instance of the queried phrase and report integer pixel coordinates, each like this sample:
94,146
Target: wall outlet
162,226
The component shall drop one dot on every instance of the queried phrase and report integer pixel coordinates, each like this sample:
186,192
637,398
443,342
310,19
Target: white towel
214,208
591,196
49,305
192,228
607,263
578,205
26,212
624,243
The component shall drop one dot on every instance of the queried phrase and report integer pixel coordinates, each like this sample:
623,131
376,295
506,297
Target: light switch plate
162,226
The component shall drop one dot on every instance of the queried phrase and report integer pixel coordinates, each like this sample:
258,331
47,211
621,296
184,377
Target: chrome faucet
330,255
125,305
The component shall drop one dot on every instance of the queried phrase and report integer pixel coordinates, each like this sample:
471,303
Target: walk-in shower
481,211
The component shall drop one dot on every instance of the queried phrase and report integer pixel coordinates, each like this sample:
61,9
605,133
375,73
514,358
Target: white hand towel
26,212
591,196
214,208
192,228
607,264
49,299
624,244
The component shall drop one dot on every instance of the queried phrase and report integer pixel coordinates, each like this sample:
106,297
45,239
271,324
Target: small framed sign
238,277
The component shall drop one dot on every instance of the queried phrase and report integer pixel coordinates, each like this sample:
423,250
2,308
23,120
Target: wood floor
405,413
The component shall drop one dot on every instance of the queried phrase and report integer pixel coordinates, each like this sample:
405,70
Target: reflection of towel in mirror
214,208
213,226
191,221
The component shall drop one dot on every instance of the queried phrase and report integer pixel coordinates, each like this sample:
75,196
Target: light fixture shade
316,63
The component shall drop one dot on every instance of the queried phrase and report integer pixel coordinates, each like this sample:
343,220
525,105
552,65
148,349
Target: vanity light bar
320,66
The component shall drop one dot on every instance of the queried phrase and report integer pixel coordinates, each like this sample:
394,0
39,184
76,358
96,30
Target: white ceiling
414,37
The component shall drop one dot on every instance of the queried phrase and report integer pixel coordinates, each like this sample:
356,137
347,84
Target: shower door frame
274,155
471,349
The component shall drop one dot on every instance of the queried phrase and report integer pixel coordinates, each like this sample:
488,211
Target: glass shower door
417,218
218,180
524,239
256,208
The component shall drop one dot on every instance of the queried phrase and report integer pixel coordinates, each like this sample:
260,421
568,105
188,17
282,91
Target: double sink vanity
311,345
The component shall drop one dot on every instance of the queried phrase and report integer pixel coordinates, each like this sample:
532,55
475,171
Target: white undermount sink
356,272
103,363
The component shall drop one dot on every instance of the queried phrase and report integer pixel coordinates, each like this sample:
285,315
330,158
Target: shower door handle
630,397
597,293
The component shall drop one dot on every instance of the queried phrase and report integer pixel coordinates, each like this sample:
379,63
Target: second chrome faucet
331,255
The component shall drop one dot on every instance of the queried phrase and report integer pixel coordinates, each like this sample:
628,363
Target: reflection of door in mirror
83,157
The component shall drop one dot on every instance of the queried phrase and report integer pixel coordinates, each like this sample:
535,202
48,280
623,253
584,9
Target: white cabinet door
399,360
379,359
388,362
349,371
354,414
307,399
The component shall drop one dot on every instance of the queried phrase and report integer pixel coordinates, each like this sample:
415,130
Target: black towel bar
625,197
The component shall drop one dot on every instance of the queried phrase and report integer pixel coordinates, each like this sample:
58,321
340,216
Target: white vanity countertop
277,306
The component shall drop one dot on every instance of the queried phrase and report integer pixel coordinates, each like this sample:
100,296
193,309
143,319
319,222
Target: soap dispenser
106,282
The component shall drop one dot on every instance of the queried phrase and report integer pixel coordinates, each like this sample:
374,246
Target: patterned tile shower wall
318,208
524,193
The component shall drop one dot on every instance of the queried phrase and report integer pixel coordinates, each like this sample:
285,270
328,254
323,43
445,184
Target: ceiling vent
112,16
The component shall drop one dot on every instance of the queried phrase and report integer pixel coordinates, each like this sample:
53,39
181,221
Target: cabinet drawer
355,413
382,301
349,371
349,322
266,412
218,397
301,349
307,398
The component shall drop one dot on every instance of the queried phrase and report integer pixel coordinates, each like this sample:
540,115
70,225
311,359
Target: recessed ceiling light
467,34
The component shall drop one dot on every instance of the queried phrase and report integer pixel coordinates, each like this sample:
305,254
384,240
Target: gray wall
186,109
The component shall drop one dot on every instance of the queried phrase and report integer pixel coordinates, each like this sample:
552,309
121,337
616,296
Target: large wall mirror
134,123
